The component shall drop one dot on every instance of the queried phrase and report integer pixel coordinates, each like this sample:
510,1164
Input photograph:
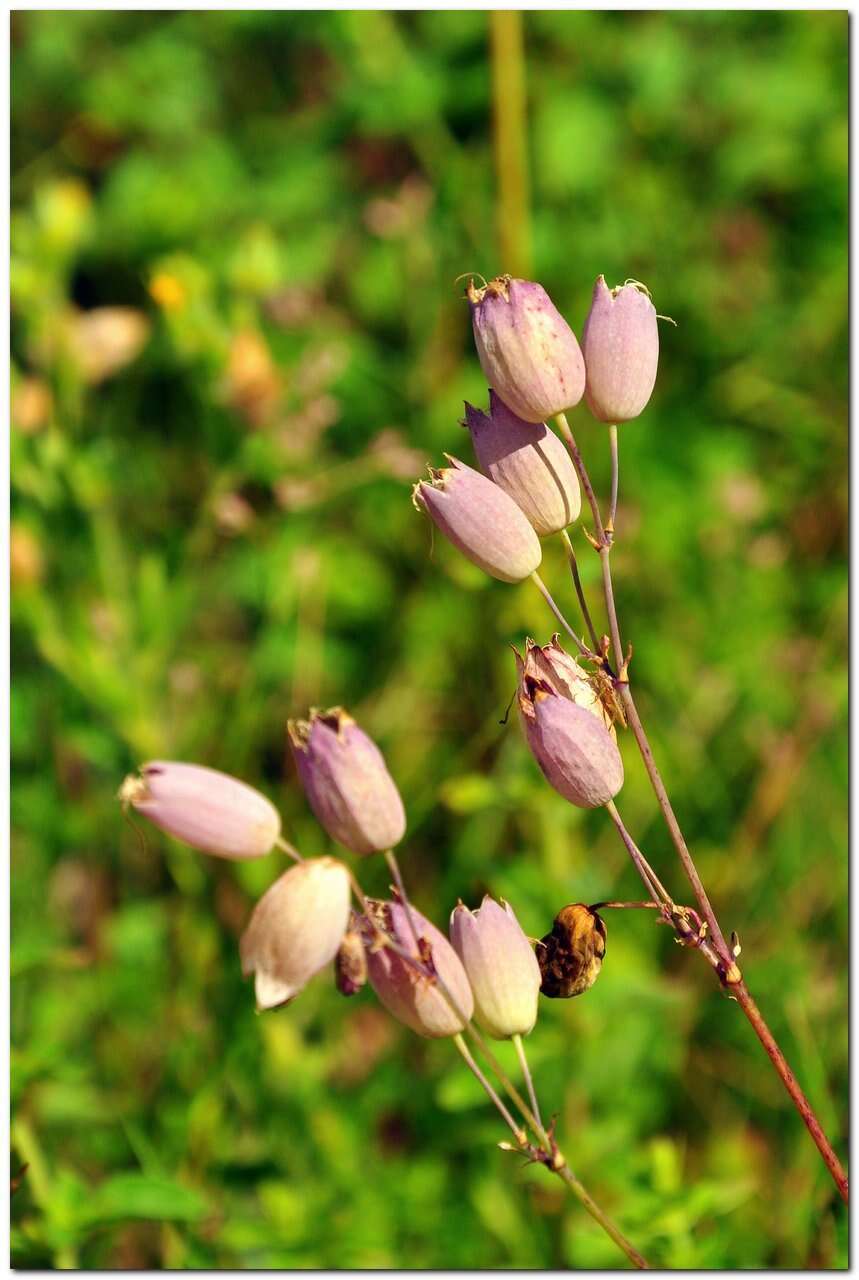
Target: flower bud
409,995
501,967
574,750
209,810
481,520
571,956
528,462
621,346
562,673
527,351
296,929
346,781
350,964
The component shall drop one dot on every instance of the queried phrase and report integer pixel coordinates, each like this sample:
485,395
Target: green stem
526,1076
615,471
510,140
519,1134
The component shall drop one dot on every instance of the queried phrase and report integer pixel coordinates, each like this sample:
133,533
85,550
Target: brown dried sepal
350,964
571,956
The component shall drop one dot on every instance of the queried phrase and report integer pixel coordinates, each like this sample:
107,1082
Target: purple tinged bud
528,462
501,966
296,929
410,996
346,781
561,672
481,520
527,351
574,750
209,810
621,345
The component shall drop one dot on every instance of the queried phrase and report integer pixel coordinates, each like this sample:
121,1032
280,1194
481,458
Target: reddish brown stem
727,970
744,998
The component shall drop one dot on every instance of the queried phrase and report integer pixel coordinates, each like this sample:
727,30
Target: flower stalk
716,950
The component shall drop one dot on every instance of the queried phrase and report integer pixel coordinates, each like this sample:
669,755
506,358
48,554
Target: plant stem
577,583
554,1159
544,592
288,849
727,969
567,1175
526,1075
510,140
394,868
615,470
651,880
582,472
744,998
519,1134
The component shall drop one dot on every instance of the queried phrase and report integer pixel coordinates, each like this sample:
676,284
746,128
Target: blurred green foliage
236,339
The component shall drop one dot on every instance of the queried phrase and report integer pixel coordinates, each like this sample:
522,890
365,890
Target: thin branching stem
526,1075
716,948
289,849
553,1158
544,592
580,592
615,472
518,1133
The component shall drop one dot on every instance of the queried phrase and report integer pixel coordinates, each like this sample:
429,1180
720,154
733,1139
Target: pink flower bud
347,782
571,746
479,518
296,929
563,675
526,349
501,967
209,810
528,462
621,345
410,996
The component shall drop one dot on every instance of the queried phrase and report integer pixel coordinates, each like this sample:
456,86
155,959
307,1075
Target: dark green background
214,531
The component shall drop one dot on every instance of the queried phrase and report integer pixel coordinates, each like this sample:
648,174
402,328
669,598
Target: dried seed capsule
562,673
528,462
296,929
574,750
350,964
501,967
210,811
621,348
409,995
527,351
346,781
480,519
571,956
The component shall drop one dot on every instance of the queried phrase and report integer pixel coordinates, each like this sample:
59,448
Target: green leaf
137,1195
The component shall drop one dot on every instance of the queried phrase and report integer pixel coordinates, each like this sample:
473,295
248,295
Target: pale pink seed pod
410,996
574,750
209,810
346,781
501,966
562,673
481,520
528,462
527,351
621,348
296,929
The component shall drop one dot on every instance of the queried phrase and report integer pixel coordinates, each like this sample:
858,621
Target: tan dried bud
350,965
